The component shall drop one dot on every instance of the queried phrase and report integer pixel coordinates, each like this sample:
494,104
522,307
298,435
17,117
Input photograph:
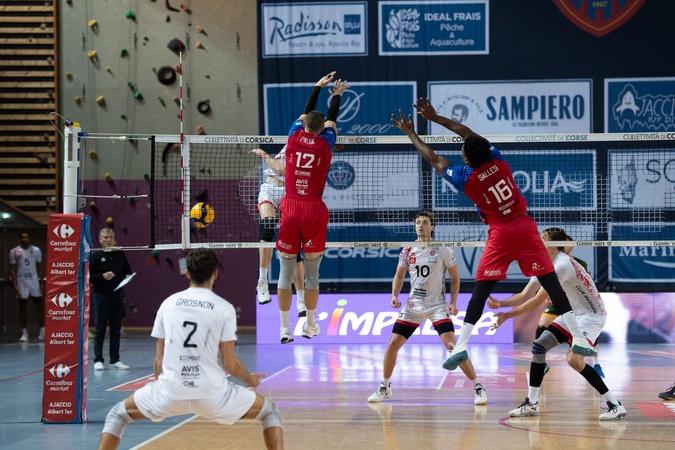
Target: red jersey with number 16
491,188
308,158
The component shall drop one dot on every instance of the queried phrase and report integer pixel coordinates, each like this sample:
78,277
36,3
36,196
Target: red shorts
303,224
514,240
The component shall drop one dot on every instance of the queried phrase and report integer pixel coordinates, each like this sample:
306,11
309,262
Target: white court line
128,382
175,427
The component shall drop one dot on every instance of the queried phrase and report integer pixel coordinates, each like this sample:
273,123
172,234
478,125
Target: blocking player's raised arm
407,127
425,109
334,108
314,95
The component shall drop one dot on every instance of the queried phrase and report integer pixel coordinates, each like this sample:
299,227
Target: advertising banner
641,178
314,29
369,318
365,108
642,264
546,184
514,107
639,105
408,28
67,302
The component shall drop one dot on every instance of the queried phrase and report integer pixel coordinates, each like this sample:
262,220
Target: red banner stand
64,397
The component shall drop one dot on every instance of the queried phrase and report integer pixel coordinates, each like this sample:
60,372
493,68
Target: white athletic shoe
98,366
302,309
458,355
24,337
615,412
285,335
119,365
41,336
263,292
480,395
382,393
310,332
526,409
582,346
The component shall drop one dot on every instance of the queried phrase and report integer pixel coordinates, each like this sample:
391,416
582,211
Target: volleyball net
603,189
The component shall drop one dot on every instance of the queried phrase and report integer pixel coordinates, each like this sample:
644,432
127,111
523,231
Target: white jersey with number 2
427,268
193,323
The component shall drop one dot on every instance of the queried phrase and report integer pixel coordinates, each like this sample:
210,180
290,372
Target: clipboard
125,281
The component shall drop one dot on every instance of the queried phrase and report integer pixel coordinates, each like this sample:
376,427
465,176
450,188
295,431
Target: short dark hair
557,234
425,213
201,263
476,149
314,121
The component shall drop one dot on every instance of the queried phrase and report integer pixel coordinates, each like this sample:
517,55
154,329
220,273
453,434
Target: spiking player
269,197
304,215
427,267
513,236
591,315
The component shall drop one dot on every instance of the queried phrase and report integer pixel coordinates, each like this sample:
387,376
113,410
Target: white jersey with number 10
427,268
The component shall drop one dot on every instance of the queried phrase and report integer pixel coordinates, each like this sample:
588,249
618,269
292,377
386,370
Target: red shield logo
598,17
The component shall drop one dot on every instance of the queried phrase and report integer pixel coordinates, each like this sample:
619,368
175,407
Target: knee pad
542,345
268,227
312,272
269,415
286,272
117,420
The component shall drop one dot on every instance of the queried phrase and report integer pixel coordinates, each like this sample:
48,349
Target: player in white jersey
591,316
269,199
196,333
427,266
26,269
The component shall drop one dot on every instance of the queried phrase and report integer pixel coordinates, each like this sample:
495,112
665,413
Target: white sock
474,382
595,360
386,381
465,334
262,274
285,323
571,322
609,397
310,317
533,394
301,296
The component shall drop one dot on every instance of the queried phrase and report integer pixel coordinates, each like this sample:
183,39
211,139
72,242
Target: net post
71,166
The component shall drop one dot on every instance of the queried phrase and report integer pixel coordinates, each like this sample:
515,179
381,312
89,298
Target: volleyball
202,214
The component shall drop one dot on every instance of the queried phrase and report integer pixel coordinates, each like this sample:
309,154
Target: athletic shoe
119,365
458,356
98,365
547,368
302,309
598,369
41,336
286,335
480,395
669,394
310,332
526,409
24,337
615,412
582,346
263,292
123,334
382,393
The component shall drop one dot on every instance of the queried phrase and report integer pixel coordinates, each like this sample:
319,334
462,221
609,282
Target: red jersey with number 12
308,158
490,187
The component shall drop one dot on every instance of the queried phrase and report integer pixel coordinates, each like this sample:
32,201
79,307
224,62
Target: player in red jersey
486,179
304,215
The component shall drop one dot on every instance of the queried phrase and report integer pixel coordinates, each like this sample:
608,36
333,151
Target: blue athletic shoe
599,370
455,360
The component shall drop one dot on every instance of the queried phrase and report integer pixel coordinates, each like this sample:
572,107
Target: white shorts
28,288
271,193
417,315
225,409
591,325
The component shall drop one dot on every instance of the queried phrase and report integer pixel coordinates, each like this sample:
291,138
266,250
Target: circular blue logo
341,175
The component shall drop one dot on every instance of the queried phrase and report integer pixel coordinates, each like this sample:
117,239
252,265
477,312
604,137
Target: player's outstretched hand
339,87
493,303
425,109
500,318
259,151
255,379
402,124
325,80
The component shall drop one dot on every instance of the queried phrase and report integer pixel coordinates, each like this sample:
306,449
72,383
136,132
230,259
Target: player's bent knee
269,415
117,420
286,271
267,229
312,272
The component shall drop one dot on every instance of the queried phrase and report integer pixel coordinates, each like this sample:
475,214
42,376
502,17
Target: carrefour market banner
515,107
